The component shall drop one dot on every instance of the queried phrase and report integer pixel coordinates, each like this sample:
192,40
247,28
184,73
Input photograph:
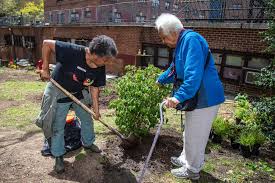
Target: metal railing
20,21
145,12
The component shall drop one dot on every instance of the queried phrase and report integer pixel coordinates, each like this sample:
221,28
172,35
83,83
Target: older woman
193,65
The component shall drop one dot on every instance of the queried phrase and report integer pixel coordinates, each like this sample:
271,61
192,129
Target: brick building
146,11
238,48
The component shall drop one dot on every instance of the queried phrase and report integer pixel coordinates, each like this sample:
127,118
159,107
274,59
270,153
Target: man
194,68
77,67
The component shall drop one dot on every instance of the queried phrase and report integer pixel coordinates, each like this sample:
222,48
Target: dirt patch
104,101
36,98
21,161
8,103
20,74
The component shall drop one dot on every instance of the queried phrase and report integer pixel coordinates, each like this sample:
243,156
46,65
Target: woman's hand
171,102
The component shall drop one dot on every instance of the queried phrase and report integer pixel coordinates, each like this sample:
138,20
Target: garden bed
21,161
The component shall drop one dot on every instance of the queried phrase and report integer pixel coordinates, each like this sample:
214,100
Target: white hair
168,23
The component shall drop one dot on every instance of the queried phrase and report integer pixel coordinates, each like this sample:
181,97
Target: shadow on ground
94,168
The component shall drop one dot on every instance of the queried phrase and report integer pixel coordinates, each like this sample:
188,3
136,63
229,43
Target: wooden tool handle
84,107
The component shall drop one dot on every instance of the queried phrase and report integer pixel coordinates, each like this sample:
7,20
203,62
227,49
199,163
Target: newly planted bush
251,138
137,106
221,129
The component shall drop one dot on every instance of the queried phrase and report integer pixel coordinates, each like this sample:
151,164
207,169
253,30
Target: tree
7,7
33,10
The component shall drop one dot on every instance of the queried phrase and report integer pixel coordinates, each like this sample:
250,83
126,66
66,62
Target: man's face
98,61
169,40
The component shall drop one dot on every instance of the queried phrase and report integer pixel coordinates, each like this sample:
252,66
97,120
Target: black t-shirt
72,71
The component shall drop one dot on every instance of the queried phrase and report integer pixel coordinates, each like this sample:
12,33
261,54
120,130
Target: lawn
20,97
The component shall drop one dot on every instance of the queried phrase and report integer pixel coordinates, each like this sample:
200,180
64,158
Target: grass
18,90
173,120
19,116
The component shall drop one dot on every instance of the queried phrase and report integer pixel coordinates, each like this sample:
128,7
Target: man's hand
97,115
44,75
171,102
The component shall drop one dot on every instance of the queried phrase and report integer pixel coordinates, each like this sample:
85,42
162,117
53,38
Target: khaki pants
195,136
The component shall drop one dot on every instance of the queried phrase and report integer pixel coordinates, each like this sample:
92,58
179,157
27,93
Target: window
140,18
163,57
167,5
218,60
234,60
158,55
155,2
62,18
58,20
232,73
258,63
88,13
8,39
117,17
233,67
175,7
18,41
251,77
150,58
75,16
51,17
29,41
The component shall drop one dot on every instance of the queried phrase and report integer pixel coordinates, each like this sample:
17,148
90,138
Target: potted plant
233,135
220,129
251,138
242,108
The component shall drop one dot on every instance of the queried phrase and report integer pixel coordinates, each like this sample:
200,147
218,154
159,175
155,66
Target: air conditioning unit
251,77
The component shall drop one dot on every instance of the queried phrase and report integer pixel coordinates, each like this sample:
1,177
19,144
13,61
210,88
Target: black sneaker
59,165
93,148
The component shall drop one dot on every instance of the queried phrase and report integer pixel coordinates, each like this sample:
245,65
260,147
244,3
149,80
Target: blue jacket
190,56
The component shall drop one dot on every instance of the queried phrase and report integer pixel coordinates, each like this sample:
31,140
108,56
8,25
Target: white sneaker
176,161
184,173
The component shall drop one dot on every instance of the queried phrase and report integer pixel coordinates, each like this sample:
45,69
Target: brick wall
233,39
129,40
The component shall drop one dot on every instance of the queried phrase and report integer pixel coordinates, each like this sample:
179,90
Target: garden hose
153,144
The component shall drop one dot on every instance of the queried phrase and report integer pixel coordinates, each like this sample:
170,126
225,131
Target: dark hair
103,46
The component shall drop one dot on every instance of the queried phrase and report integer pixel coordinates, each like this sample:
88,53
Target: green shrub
243,107
251,135
234,129
265,116
221,127
137,106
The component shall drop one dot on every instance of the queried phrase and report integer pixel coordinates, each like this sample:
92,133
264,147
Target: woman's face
169,40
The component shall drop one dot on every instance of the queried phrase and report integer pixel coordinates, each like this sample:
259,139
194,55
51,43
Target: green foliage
260,166
270,33
221,127
7,7
251,135
33,10
243,107
137,106
265,108
234,129
266,78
